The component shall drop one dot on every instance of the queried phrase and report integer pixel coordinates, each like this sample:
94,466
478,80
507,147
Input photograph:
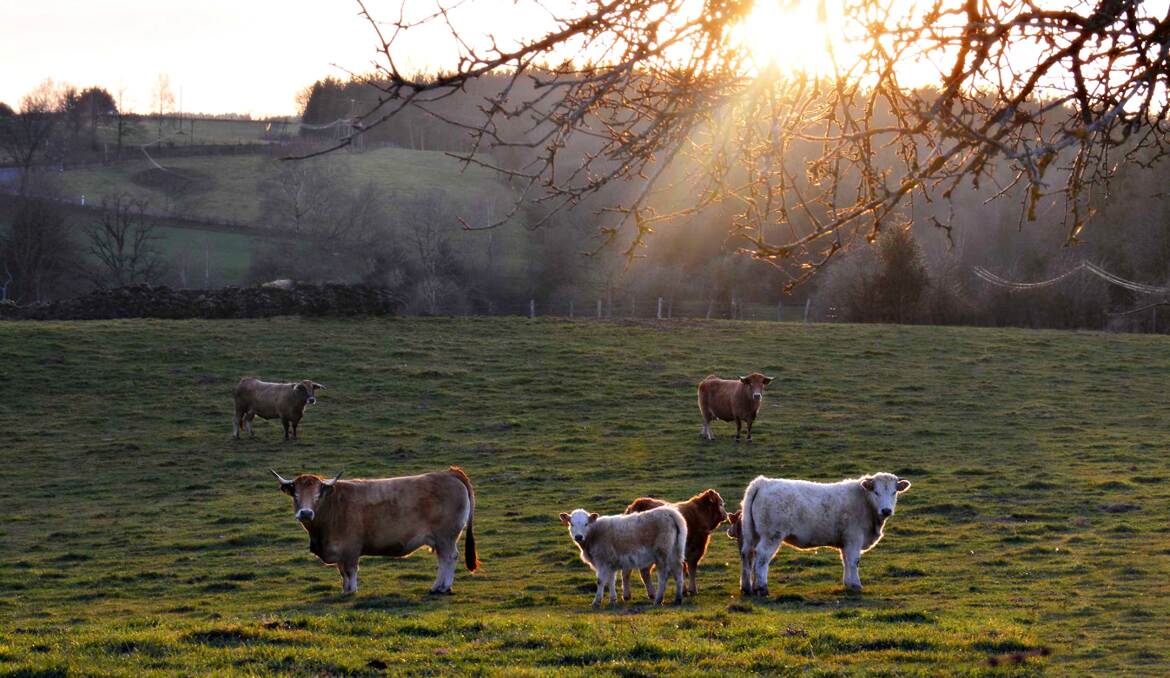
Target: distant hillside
227,188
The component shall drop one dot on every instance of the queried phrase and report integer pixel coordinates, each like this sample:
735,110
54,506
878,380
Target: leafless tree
302,196
25,135
162,99
1051,96
124,243
37,254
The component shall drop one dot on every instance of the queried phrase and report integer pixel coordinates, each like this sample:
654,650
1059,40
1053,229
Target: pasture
226,188
139,540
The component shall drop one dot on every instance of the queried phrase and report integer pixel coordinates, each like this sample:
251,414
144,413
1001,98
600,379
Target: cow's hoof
853,590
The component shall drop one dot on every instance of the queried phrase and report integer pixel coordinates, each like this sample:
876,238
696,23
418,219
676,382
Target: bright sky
247,56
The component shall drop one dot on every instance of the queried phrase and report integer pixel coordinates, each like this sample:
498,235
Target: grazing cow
393,517
271,401
610,544
846,515
735,400
702,513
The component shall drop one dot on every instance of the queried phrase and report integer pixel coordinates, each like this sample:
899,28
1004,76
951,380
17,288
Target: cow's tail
680,534
469,537
746,526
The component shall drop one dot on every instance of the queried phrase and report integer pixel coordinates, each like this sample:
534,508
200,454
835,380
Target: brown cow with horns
393,517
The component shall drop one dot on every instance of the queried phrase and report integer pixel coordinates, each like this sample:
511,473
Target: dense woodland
342,227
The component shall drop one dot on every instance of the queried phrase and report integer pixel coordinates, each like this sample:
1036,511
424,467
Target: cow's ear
593,517
867,484
733,518
903,485
317,386
565,518
746,380
287,488
768,380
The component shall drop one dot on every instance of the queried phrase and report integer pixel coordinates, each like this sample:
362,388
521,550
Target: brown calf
287,402
735,400
703,513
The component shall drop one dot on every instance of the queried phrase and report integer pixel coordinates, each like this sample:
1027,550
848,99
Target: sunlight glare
785,35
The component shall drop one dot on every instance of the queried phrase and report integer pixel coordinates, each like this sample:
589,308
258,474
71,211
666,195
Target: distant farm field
139,540
226,187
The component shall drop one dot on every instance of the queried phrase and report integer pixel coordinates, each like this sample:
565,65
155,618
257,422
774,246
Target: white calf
635,541
847,516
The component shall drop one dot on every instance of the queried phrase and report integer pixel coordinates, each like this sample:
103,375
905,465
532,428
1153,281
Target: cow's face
307,492
713,507
756,383
733,529
307,391
578,521
882,490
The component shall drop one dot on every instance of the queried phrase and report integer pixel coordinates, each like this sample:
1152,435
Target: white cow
635,541
846,515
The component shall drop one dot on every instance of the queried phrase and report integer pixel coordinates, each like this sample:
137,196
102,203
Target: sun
786,35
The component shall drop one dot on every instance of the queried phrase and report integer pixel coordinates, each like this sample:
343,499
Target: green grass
139,540
231,190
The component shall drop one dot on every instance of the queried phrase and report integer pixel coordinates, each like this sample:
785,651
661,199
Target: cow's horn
280,478
335,478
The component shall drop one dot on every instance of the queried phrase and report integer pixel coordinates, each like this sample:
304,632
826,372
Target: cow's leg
349,576
679,586
613,587
296,421
603,575
745,572
447,555
625,584
663,573
692,569
248,423
738,428
850,557
765,551
749,428
647,582
236,425
284,423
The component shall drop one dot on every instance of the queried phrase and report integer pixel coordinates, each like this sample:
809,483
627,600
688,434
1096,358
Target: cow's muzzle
579,538
305,515
757,397
886,513
312,401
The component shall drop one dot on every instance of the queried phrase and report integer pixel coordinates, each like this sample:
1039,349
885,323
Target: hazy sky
227,55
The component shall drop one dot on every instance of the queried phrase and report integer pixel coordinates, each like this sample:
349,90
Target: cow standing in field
737,400
392,517
848,516
611,544
703,513
287,402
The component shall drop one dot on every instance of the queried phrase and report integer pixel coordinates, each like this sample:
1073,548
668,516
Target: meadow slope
139,540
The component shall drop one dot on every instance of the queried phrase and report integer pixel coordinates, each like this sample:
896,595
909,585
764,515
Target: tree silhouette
640,94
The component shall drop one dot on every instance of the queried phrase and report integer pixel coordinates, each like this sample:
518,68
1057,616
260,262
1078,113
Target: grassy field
139,540
227,189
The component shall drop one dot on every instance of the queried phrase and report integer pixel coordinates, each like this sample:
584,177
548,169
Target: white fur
611,544
845,515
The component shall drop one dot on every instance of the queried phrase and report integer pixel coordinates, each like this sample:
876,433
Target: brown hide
728,399
703,513
390,517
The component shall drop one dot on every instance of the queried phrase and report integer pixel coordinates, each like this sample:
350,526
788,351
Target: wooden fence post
531,308
807,305
598,308
660,308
